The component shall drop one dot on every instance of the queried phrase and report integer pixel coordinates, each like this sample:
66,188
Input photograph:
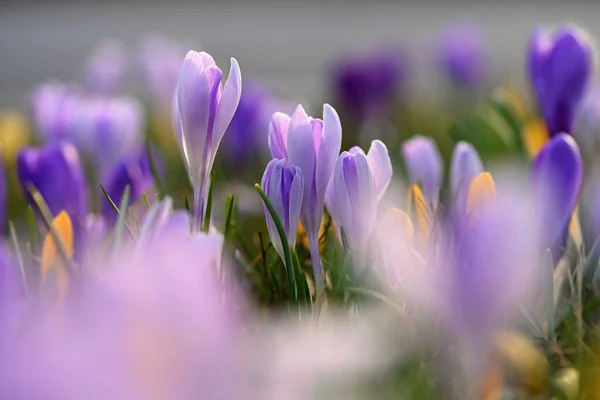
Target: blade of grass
33,234
13,235
120,226
282,236
39,201
208,214
114,206
154,171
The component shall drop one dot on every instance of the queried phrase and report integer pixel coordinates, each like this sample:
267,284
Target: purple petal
424,164
278,133
328,154
228,103
464,166
381,167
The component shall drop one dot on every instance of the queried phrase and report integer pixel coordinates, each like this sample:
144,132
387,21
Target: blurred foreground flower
560,68
284,186
313,145
461,54
55,171
203,112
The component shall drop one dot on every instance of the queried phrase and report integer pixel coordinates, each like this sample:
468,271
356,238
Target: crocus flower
557,173
559,67
204,110
106,67
461,55
109,130
162,221
56,172
134,172
425,166
586,129
313,145
284,186
160,61
354,201
54,108
369,84
464,166
245,134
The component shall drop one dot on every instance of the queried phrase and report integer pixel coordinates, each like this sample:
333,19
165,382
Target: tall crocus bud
203,112
56,172
109,130
559,67
54,107
313,145
425,166
586,130
557,173
284,185
355,201
464,167
461,54
106,67
134,172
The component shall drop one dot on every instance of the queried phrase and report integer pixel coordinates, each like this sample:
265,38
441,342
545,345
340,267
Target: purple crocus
557,173
160,61
464,166
3,193
559,68
354,201
134,172
425,165
369,84
245,134
54,108
284,186
55,171
106,68
109,130
461,55
313,145
586,128
204,110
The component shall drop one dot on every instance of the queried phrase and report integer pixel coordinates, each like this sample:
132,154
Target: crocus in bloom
425,166
313,145
134,172
109,130
369,84
106,68
464,167
354,201
557,173
559,67
204,110
284,186
54,108
55,171
461,55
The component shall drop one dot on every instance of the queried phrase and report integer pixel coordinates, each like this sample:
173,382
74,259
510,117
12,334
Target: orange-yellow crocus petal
535,135
51,262
482,192
417,207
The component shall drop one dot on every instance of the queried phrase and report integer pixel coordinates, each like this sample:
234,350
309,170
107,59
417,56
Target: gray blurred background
287,44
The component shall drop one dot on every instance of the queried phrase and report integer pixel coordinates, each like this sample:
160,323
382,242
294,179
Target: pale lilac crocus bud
464,166
54,107
106,67
313,145
283,184
354,201
425,165
203,112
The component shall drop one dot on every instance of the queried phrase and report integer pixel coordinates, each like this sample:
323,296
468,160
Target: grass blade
13,235
206,221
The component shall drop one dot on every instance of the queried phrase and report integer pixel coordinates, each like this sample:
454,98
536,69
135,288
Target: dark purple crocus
55,171
134,172
461,55
369,84
245,134
559,67
557,173
284,186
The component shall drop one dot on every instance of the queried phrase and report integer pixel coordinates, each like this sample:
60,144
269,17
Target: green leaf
591,264
13,235
121,221
154,171
206,220
547,294
114,206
